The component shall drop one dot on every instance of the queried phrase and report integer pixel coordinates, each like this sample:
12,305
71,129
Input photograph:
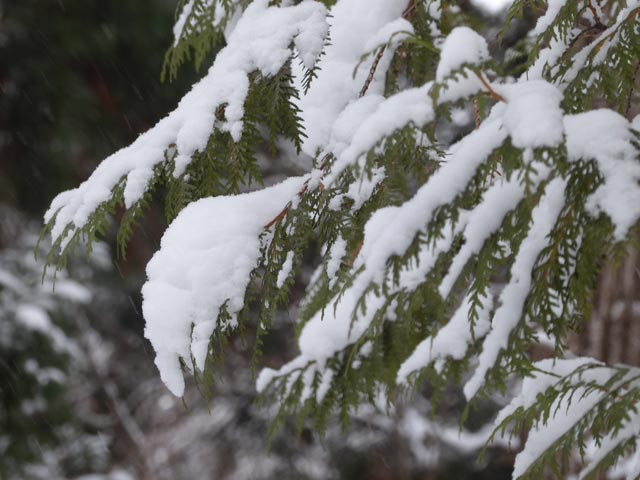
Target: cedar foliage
586,50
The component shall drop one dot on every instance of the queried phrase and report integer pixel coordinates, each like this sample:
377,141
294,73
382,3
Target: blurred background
80,397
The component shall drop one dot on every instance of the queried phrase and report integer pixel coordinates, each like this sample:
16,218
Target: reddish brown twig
285,210
407,14
356,251
476,113
372,70
596,17
631,91
278,217
492,93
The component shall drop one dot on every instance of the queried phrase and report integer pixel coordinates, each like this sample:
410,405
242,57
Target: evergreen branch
407,15
488,88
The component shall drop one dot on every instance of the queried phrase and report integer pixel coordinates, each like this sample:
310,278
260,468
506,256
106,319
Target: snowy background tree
458,209
39,353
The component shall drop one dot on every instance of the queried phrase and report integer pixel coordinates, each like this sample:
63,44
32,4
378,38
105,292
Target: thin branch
632,90
476,112
372,70
356,251
285,210
407,14
594,12
278,217
492,93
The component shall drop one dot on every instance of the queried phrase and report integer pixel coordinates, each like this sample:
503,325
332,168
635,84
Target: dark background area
78,80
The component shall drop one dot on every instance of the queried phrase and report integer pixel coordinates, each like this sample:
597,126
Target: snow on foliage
442,258
203,266
452,340
260,41
182,20
546,20
607,137
462,46
576,386
532,115
341,70
514,294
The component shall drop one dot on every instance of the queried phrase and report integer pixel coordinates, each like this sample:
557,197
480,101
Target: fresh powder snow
260,41
204,264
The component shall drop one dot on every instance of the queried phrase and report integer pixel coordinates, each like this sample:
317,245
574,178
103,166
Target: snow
548,372
260,41
545,21
452,340
542,436
358,129
46,376
37,319
560,44
326,333
72,291
11,281
205,260
348,122
629,429
484,220
549,56
462,47
533,116
136,185
284,273
514,294
567,410
34,318
605,136
380,118
361,191
460,117
412,275
628,467
336,254
391,230
417,426
492,6
181,22
209,252
325,384
394,31
356,27
580,59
